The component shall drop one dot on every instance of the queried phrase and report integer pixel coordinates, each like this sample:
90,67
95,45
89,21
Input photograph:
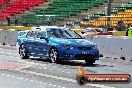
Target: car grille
84,56
84,48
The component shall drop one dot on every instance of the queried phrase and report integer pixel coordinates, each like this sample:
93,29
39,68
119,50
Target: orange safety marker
81,71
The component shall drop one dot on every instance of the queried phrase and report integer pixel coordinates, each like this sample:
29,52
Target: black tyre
90,62
53,55
23,52
81,80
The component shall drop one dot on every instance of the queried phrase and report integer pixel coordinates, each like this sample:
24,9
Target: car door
42,44
30,42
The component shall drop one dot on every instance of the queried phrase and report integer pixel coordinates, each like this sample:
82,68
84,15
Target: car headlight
68,47
94,47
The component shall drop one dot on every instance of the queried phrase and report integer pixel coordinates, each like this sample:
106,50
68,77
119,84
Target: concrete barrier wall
8,37
115,47
109,46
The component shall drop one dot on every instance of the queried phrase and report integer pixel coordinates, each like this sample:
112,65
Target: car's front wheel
23,52
90,62
53,55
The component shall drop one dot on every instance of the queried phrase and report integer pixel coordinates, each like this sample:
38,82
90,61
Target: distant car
57,43
95,31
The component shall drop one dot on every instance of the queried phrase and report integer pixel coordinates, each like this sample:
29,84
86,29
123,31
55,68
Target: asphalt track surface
39,73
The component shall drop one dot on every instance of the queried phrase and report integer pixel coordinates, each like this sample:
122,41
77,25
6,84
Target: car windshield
21,33
62,33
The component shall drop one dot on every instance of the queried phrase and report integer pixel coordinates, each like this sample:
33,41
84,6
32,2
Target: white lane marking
59,71
40,82
3,74
11,55
101,86
59,86
33,63
21,78
50,84
19,68
8,47
32,81
41,86
46,75
61,78
29,64
7,75
54,85
9,51
17,77
68,72
12,76
44,68
26,79
63,71
50,69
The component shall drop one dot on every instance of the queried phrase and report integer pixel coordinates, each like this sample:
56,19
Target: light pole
109,14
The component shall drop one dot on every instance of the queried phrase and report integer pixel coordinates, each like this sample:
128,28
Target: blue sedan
56,43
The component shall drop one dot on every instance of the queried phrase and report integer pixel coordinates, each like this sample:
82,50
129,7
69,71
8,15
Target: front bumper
78,55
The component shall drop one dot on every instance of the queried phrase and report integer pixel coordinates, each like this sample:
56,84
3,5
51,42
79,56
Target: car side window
41,34
32,34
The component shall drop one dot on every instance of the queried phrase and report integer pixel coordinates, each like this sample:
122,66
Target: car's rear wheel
23,52
53,55
90,62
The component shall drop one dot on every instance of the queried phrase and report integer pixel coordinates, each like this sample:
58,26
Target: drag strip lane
61,78
15,81
66,69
